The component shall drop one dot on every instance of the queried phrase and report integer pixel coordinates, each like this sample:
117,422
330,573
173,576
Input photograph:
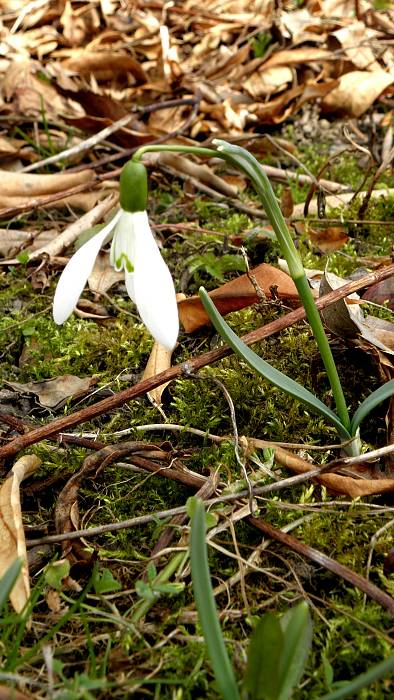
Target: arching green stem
246,162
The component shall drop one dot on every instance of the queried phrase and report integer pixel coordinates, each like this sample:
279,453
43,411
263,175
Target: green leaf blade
282,381
8,581
296,625
206,607
384,668
262,678
378,396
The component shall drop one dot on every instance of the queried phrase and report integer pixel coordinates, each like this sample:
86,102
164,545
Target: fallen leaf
347,320
28,185
105,65
103,275
381,293
328,239
159,360
355,39
53,393
287,202
237,294
345,485
12,536
356,92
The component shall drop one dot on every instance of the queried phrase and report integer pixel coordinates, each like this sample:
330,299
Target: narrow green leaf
206,606
282,381
384,668
262,678
7,581
381,394
297,631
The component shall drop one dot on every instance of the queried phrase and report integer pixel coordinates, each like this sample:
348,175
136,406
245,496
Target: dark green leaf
262,679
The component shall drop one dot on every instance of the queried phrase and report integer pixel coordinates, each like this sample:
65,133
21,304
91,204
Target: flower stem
242,159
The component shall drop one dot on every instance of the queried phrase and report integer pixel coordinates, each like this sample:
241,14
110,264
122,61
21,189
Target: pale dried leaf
355,38
103,275
12,536
356,92
347,320
159,360
53,393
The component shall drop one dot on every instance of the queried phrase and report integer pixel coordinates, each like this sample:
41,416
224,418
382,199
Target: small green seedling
279,647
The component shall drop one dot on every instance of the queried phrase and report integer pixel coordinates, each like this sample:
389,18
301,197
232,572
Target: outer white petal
152,285
74,276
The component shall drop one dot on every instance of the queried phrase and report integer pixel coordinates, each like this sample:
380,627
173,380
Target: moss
348,636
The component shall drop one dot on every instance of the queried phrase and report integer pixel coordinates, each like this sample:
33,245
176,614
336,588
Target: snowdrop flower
133,249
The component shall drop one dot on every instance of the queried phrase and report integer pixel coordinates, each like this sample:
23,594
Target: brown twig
119,399
323,560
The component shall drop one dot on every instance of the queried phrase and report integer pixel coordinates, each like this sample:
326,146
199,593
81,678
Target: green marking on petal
123,258
133,187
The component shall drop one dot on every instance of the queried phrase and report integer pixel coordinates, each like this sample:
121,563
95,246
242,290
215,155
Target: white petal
152,285
74,276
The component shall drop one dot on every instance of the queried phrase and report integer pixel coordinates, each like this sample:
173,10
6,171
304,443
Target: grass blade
266,370
8,580
385,668
381,394
206,606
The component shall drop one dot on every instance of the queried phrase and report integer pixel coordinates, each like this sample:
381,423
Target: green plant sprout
347,428
278,648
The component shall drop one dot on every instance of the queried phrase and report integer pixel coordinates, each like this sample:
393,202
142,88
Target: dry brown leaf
381,293
53,393
355,38
105,65
28,185
12,536
266,82
356,92
328,239
74,27
159,360
103,275
287,202
25,94
237,294
347,320
345,485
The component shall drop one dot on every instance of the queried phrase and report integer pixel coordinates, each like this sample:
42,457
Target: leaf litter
180,74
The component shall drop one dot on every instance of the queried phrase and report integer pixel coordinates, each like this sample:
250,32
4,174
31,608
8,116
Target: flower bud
133,187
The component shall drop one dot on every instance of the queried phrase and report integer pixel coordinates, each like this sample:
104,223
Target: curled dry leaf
103,275
29,185
356,92
237,294
347,320
53,393
159,360
345,485
12,536
381,293
328,239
